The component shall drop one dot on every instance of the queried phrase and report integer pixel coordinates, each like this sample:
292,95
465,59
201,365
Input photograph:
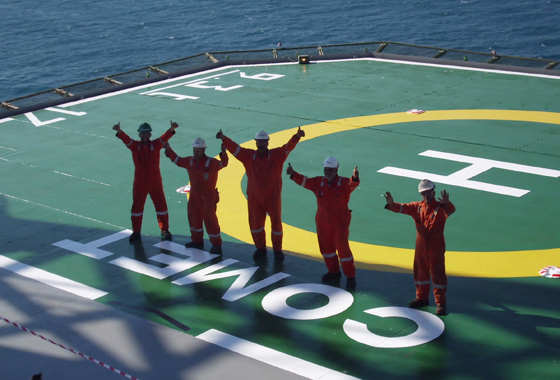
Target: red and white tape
550,272
184,189
71,350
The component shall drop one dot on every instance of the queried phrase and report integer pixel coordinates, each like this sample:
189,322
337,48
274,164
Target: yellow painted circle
232,210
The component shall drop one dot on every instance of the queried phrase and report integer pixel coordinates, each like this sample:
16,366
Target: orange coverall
203,198
147,179
332,219
264,188
429,257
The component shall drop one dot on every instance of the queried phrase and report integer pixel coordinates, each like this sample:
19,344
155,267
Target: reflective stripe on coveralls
429,256
147,179
332,219
203,198
264,188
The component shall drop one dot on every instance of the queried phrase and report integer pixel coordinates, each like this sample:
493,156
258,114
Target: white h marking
462,178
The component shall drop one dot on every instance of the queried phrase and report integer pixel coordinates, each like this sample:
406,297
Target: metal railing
203,61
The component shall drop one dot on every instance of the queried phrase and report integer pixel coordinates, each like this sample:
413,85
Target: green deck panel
501,328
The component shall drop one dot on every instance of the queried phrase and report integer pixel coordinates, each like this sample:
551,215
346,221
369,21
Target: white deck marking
462,178
50,279
221,74
60,210
38,123
483,164
174,265
67,112
276,302
429,328
272,357
239,288
445,180
173,95
91,249
82,178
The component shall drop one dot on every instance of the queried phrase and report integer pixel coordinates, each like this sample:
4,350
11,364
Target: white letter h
463,177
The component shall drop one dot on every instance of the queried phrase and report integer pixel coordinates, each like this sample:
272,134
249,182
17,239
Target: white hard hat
425,184
199,143
330,162
145,128
262,135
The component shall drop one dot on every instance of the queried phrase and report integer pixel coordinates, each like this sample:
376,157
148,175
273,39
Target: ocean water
50,43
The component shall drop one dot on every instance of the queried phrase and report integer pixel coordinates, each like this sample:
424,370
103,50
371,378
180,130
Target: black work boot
135,236
418,303
166,235
441,310
279,255
330,277
216,249
259,254
192,244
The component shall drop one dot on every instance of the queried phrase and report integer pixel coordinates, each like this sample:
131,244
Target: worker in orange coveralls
332,218
264,187
203,198
147,177
430,216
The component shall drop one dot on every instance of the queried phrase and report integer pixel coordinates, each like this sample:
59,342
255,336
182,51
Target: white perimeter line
272,357
172,80
60,210
51,279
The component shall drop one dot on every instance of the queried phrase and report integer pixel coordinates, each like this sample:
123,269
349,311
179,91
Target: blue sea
51,43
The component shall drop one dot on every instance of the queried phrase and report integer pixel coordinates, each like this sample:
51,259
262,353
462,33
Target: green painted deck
489,138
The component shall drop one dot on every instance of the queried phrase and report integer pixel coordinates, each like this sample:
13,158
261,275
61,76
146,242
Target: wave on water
50,44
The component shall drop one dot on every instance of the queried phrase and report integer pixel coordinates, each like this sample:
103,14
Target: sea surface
50,43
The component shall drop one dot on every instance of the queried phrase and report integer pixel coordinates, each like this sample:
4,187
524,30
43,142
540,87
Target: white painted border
87,100
50,279
272,357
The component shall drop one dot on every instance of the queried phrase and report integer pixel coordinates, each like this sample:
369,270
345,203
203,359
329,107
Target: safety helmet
199,143
145,127
262,135
425,184
330,162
